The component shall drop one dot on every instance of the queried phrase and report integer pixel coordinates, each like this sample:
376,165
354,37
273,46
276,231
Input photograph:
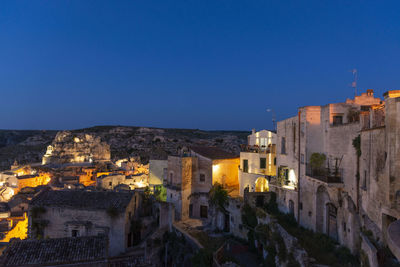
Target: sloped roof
55,251
213,152
84,200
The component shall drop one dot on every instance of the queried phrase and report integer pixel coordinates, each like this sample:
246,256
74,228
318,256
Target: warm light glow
20,230
292,177
291,187
140,184
262,185
215,168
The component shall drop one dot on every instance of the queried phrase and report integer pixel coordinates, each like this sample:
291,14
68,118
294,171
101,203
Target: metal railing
258,149
327,175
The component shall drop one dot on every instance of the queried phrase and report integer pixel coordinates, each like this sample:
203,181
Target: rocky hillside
30,146
23,146
76,147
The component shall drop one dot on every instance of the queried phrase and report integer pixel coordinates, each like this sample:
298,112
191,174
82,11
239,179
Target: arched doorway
322,200
262,185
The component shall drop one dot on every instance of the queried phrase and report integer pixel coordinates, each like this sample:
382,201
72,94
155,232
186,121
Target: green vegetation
37,211
319,246
218,196
249,217
317,161
357,145
160,193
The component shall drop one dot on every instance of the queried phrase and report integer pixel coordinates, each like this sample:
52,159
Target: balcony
176,187
326,175
258,149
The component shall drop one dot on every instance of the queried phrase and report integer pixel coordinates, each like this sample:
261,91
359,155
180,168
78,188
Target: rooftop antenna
273,117
354,83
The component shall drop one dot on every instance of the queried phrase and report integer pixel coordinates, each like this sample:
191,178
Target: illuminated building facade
257,162
191,175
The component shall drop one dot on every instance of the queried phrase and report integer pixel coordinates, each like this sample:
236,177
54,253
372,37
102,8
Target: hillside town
321,189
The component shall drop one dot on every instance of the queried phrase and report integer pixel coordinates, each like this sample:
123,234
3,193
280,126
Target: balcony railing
176,187
327,175
258,149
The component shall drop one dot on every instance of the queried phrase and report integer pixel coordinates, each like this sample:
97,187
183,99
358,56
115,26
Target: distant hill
29,146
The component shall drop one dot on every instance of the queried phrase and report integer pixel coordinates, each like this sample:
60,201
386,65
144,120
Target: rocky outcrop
124,142
69,147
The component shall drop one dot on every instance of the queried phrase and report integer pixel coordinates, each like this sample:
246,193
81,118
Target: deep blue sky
208,64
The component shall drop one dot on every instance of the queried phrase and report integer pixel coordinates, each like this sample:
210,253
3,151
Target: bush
272,207
249,217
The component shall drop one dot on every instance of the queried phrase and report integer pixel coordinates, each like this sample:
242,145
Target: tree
218,197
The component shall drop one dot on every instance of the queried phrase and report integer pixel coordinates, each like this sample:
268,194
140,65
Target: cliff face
76,147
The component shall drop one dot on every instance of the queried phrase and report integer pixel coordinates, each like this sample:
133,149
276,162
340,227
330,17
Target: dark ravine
27,146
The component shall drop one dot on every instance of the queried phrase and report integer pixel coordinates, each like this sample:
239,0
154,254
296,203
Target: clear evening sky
216,64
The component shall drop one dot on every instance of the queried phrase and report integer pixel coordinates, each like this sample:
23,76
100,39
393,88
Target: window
245,165
203,212
283,145
130,215
202,177
364,184
75,233
274,161
263,163
171,176
337,120
302,158
110,183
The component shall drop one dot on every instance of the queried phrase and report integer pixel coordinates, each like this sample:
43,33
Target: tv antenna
273,117
354,83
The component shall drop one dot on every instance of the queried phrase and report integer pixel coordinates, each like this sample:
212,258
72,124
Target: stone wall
157,171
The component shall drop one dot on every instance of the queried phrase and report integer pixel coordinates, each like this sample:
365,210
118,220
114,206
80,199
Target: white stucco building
257,161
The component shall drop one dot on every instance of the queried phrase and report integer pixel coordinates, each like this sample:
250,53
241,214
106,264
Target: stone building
257,161
74,213
318,170
113,180
379,172
191,176
157,172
